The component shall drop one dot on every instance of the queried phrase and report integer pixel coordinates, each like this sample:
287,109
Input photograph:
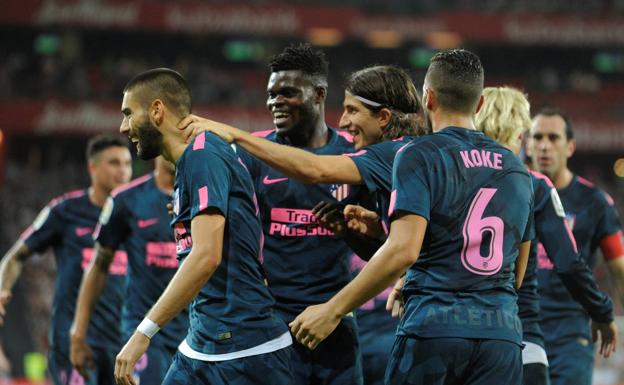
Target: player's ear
479,104
571,147
384,116
430,100
157,112
320,93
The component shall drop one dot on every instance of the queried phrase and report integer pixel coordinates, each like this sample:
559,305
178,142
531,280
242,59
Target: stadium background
63,65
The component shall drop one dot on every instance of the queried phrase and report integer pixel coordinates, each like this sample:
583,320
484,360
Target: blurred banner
337,22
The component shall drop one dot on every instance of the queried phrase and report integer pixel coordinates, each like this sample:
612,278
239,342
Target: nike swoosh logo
82,231
143,223
266,180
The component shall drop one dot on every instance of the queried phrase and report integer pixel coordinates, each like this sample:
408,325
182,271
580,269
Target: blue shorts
376,349
335,361
454,361
63,373
570,361
153,365
263,369
535,374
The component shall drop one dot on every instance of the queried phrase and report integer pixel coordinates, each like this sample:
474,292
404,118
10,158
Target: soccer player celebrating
66,224
234,335
381,111
460,212
505,117
590,213
134,216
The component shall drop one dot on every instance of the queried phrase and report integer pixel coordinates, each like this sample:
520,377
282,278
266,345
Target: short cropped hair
505,114
101,142
165,84
456,76
305,58
554,111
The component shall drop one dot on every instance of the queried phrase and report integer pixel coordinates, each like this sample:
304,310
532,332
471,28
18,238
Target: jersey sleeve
45,229
411,188
375,165
558,241
608,229
113,228
208,179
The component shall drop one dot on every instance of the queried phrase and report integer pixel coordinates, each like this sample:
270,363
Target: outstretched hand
608,337
363,221
329,215
193,125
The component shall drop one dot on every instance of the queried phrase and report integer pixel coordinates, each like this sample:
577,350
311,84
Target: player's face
111,168
291,100
137,125
359,122
548,145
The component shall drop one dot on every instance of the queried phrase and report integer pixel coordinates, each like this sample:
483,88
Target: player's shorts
153,365
571,361
450,361
535,374
335,361
376,350
262,369
63,373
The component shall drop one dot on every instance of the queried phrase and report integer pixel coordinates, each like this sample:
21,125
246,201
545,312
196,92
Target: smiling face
549,145
136,124
360,122
293,102
111,168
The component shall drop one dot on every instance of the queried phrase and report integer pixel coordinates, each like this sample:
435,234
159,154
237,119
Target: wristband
148,328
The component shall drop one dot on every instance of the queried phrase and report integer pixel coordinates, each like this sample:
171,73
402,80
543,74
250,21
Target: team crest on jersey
570,219
176,202
107,210
41,218
557,205
340,191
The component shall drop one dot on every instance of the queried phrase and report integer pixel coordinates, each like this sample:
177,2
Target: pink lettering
486,156
543,262
286,230
161,254
465,157
119,265
498,161
292,216
184,244
476,158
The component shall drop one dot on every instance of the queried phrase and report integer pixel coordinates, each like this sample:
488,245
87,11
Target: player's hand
170,209
312,326
363,221
5,298
608,337
394,304
329,216
194,125
81,356
128,357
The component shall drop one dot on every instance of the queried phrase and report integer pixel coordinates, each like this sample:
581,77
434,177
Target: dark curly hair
305,58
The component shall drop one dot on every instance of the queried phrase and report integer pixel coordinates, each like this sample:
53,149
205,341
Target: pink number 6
474,228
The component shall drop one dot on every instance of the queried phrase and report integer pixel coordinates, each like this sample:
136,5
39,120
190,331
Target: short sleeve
609,222
112,228
208,179
45,229
409,180
375,165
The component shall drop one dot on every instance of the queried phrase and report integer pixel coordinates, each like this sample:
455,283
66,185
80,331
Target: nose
124,128
275,101
344,122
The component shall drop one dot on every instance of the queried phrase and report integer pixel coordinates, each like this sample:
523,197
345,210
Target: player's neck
174,144
97,195
164,180
442,120
315,136
562,179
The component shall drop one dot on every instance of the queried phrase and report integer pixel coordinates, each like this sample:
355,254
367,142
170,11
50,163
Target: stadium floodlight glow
324,37
443,40
618,167
384,39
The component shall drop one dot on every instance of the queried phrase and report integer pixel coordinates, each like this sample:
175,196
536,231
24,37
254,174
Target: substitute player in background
66,224
460,212
505,117
134,216
234,336
591,215
381,108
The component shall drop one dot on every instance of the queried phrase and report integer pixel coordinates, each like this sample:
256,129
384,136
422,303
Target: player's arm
296,163
521,262
207,231
612,249
93,283
10,270
398,253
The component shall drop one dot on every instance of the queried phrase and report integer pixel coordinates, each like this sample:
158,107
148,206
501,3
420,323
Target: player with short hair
460,210
505,117
234,336
592,216
66,224
135,216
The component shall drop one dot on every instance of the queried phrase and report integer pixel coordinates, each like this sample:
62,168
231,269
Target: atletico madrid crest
340,191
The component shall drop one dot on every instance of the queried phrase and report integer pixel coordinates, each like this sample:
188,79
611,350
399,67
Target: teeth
280,115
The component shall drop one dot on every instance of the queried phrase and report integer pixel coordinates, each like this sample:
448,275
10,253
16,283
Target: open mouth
280,117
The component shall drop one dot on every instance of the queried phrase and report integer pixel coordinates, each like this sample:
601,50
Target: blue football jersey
305,263
136,216
66,224
591,215
477,198
234,310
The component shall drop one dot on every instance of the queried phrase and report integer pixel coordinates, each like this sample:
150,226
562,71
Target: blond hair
505,114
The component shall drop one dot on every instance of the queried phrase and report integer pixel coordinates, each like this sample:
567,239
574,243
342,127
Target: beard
150,141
